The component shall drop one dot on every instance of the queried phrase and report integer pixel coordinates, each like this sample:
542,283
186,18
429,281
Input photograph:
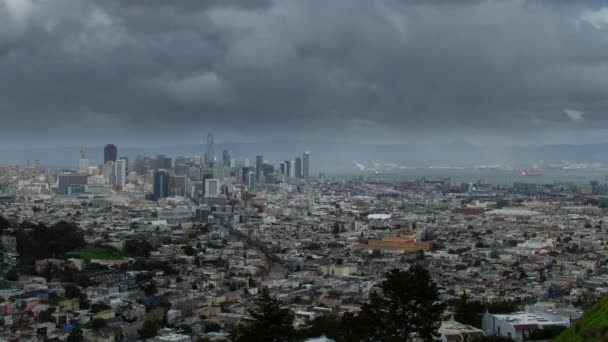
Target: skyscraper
120,172
258,166
298,167
110,153
210,155
288,167
161,184
163,162
251,184
306,165
83,163
226,158
212,187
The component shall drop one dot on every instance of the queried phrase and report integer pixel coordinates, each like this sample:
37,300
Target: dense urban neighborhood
101,260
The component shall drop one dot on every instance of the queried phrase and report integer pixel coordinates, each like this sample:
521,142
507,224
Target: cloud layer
490,71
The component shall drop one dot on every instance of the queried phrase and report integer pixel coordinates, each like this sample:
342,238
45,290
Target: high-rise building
306,165
127,166
288,167
83,163
212,187
283,169
163,162
226,158
210,155
177,186
298,167
109,177
110,153
292,169
204,178
258,166
251,184
161,184
73,183
120,173
245,175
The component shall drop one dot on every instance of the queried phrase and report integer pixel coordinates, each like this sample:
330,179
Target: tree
269,321
466,312
138,248
408,306
149,329
4,223
328,325
12,274
98,323
75,335
212,327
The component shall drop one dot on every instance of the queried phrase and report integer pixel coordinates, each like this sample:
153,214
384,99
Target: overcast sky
163,72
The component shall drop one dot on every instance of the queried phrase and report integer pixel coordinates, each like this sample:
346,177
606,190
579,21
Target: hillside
593,326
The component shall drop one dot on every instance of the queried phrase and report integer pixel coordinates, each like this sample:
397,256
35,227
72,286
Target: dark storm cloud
372,70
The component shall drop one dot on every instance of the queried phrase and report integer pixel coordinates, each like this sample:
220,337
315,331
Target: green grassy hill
593,326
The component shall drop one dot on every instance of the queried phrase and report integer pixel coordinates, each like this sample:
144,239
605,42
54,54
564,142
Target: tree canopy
269,321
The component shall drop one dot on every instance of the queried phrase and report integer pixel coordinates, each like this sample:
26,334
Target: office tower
210,155
283,169
120,173
110,152
306,165
251,184
288,167
204,178
161,184
245,175
212,187
258,166
218,171
163,162
292,169
108,172
197,160
226,158
246,162
177,186
83,163
127,166
73,183
298,167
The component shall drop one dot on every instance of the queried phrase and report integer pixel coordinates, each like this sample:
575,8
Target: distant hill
593,326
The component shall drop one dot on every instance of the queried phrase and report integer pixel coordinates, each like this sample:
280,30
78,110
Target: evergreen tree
75,335
269,321
408,306
149,329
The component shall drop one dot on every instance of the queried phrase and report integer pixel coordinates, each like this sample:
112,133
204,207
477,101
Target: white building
120,172
520,325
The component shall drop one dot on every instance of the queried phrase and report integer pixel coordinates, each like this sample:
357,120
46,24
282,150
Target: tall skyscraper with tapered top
210,154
